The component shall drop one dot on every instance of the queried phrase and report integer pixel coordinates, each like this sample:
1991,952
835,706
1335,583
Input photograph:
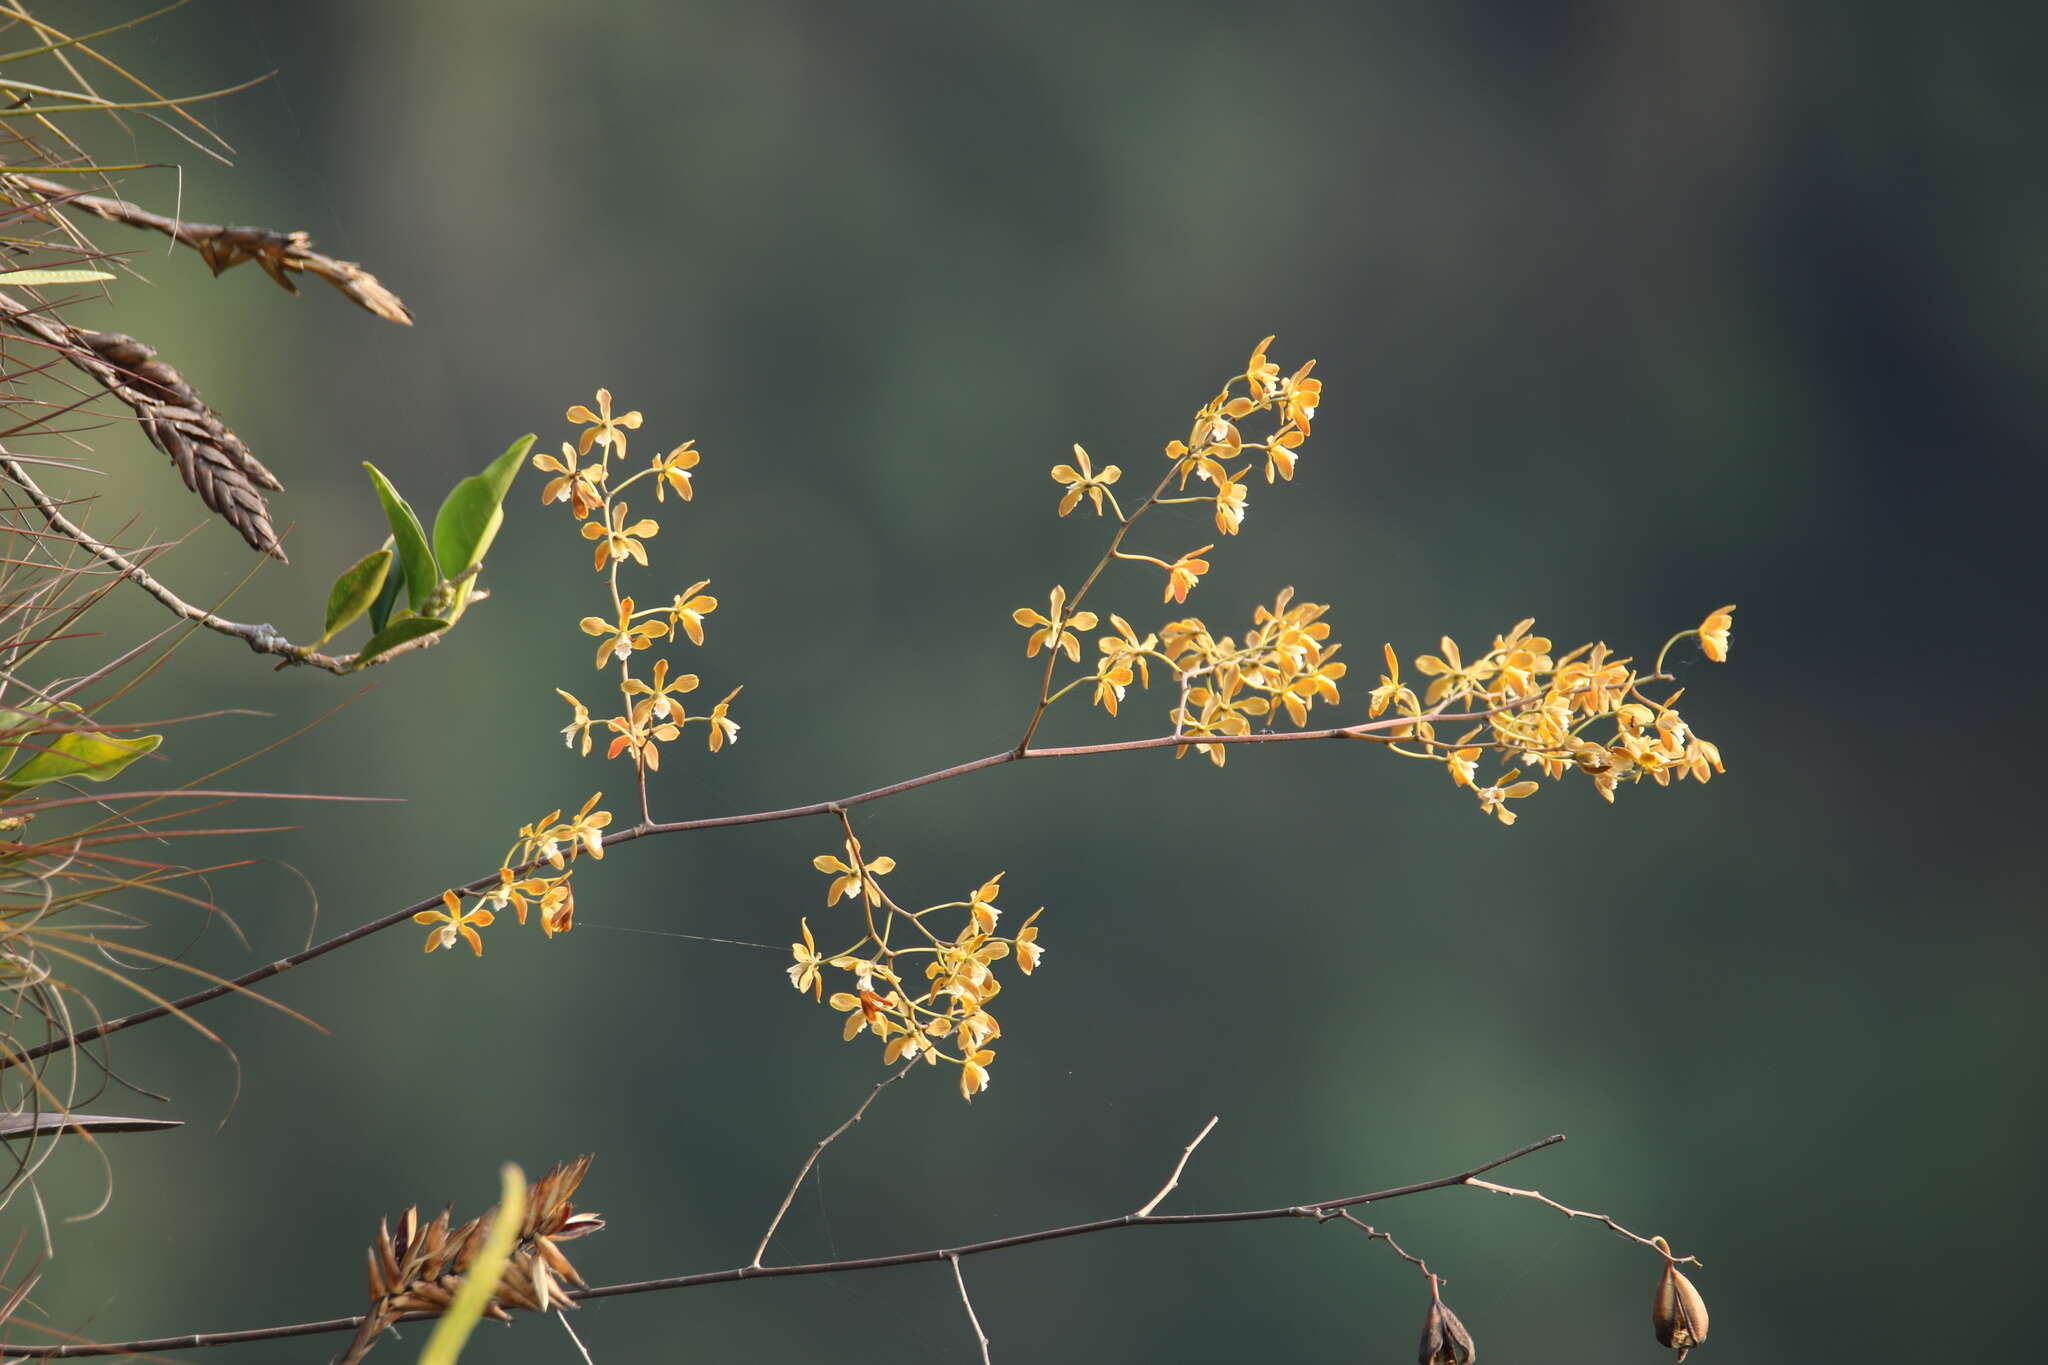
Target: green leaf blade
474,510
91,755
35,277
356,591
422,574
400,632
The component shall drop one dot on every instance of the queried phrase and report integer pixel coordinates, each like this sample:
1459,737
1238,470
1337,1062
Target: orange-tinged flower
724,729
1055,631
1494,800
658,693
1184,573
803,973
622,637
1230,508
642,739
1028,951
690,608
1714,633
617,540
579,725
1452,675
558,908
513,889
982,904
974,1073
455,921
586,830
1084,481
1261,374
605,430
576,485
1280,451
673,471
853,876
1392,691
1300,396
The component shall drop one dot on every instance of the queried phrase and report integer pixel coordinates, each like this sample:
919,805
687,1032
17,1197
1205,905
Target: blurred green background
1624,311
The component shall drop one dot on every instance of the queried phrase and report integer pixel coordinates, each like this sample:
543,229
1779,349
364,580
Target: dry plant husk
209,456
279,255
416,1268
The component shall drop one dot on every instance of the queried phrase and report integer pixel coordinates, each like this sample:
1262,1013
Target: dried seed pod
1678,1313
1444,1339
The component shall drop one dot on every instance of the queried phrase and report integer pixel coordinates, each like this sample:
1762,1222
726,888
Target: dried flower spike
1678,1313
1444,1339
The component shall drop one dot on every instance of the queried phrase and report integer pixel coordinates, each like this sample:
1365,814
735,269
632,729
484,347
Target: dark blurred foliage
1624,310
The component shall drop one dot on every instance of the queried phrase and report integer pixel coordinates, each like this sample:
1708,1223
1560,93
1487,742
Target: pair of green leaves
435,576
58,755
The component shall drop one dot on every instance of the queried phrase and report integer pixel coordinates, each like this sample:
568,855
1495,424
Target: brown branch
1367,730
262,638
1318,1211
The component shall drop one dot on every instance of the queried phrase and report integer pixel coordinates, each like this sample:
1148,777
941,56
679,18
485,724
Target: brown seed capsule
1678,1314
1444,1339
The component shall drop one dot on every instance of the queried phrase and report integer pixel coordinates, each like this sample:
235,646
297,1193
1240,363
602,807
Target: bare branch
570,1328
968,1303
1318,1211
1375,1234
818,1151
1173,1181
1580,1213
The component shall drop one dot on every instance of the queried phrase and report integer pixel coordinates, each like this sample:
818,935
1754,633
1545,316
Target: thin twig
1173,1180
968,1303
1375,1234
1316,1211
818,1151
570,1328
1368,730
1577,1213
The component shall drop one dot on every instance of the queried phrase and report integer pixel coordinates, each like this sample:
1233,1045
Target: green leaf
480,1278
356,590
33,277
422,575
399,632
79,754
394,584
474,510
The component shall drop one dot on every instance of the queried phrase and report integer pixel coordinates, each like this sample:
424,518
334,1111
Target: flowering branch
1317,1211
1370,730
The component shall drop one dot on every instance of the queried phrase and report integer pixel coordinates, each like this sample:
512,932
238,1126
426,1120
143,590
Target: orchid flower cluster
920,981
1521,700
939,1013
589,478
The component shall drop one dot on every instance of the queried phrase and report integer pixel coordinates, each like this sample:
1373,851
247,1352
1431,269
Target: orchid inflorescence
920,981
588,479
